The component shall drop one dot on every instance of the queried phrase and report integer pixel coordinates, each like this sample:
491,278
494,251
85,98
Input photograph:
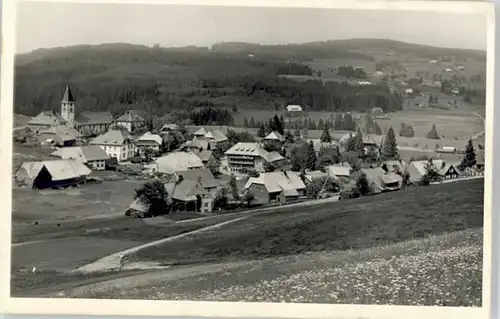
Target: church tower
68,107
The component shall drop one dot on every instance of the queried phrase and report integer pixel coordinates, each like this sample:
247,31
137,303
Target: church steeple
68,107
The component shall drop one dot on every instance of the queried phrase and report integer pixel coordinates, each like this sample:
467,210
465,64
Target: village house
340,172
178,161
51,174
169,127
206,178
294,109
274,137
93,123
117,144
207,158
130,120
195,145
214,137
61,136
275,186
381,181
91,155
45,120
243,157
190,195
417,169
148,141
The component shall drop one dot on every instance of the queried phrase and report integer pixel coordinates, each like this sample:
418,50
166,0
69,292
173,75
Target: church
87,123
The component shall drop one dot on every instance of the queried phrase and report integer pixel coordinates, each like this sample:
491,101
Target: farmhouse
195,145
340,171
275,186
294,108
93,156
382,181
206,178
247,156
214,137
93,123
46,119
417,169
130,120
178,161
117,144
51,174
207,158
274,137
169,127
190,195
149,141
60,136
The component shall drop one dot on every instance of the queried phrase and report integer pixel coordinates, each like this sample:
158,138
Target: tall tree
277,125
325,136
469,159
348,123
378,129
338,124
390,148
359,146
154,196
262,130
433,133
234,187
311,157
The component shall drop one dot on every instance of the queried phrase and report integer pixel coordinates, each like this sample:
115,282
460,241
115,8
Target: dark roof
68,95
94,118
130,116
207,178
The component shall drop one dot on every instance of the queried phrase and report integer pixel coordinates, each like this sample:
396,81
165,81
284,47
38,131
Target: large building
116,144
243,157
131,120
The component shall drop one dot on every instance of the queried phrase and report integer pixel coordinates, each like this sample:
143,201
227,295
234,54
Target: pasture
362,223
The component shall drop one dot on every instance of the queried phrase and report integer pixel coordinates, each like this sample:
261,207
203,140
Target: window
205,205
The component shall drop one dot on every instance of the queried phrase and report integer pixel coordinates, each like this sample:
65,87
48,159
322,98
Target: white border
230,309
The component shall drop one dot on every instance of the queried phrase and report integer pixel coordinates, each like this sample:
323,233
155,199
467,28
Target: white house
117,144
92,155
130,120
246,156
149,141
178,161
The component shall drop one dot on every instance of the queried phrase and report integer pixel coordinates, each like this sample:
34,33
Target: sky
45,25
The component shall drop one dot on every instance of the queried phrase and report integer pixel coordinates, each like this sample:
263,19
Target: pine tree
433,134
469,159
363,185
234,187
289,138
359,147
348,123
311,157
245,122
350,145
252,123
339,122
325,136
378,129
390,148
277,125
262,130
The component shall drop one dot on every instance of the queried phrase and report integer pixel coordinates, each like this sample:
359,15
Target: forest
158,80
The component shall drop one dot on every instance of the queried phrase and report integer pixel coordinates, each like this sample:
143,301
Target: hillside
120,76
352,224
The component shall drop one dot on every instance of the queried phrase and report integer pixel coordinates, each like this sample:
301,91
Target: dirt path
112,262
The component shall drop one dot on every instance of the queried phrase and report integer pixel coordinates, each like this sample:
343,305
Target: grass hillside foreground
422,246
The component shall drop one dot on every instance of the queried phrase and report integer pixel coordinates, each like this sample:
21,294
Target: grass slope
361,223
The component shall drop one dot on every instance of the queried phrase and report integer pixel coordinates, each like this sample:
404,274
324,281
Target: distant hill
117,76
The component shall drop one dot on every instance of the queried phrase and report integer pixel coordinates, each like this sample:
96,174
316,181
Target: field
361,223
426,249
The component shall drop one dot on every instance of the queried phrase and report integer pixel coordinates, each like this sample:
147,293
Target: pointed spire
68,95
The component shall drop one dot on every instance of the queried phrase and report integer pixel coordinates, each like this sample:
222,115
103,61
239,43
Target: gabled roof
130,116
178,161
185,190
204,175
255,150
169,126
197,143
340,170
68,95
275,136
278,181
419,166
111,138
151,137
58,169
62,132
83,153
49,118
200,132
205,155
216,135
93,118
